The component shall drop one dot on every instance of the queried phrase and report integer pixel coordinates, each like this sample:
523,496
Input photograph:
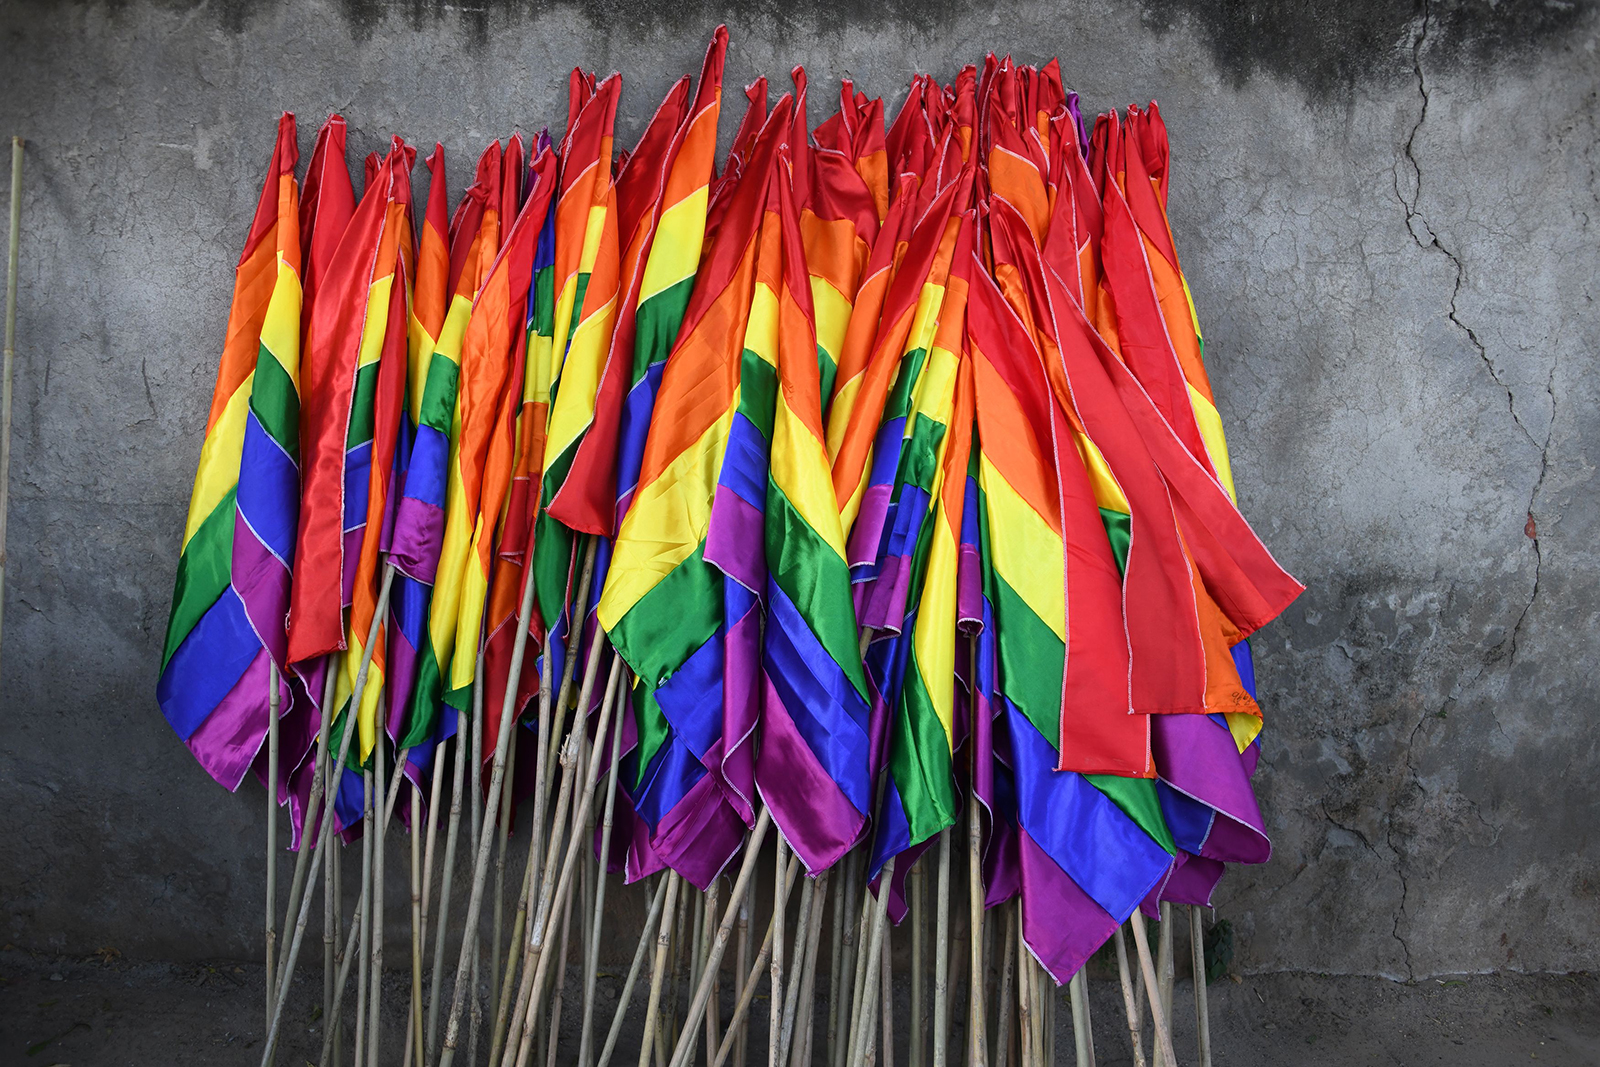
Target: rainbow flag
214,666
408,598
431,476
664,599
493,358
813,767
377,405
919,794
327,200
838,216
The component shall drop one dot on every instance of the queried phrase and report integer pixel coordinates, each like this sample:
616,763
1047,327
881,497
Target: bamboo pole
844,978
836,961
741,1011
480,868
484,827
1003,1023
459,756
1158,1016
941,955
525,1016
791,996
858,990
918,914
676,977
861,1028
331,1031
523,1019
591,963
713,1009
377,829
502,841
739,1030
780,901
414,1030
364,943
272,831
303,857
1082,1032
801,1056
886,1003
658,969
645,940
977,1018
347,954
1026,1018
330,922
561,983
684,1053
1135,1016
1202,1016
10,353
1041,1010
513,958
1164,967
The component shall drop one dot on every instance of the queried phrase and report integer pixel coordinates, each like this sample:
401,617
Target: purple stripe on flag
741,709
734,539
1200,759
700,834
418,533
227,741
1061,924
817,819
262,583
870,519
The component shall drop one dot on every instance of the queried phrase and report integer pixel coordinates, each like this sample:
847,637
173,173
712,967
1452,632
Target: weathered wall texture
1385,215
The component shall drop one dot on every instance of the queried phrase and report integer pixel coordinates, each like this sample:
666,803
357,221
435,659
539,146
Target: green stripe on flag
677,616
204,571
439,393
1137,799
808,569
920,760
656,322
276,402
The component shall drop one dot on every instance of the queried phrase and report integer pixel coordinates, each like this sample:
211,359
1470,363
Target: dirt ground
68,1012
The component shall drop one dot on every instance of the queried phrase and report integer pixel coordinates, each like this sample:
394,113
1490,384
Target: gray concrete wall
1384,213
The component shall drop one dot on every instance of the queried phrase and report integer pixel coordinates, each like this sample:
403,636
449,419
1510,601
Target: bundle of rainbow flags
891,452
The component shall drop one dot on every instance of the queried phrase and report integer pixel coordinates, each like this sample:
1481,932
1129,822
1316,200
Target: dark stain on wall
1329,48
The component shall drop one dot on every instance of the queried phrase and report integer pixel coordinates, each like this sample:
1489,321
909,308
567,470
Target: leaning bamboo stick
525,1015
741,885
591,963
377,830
1003,1024
330,924
272,830
1027,1018
10,351
858,985
1202,1017
741,1010
364,943
561,983
1164,968
1135,1015
658,970
513,958
298,882
1082,1036
791,996
646,939
775,980
336,861
805,1024
459,757
480,866
502,842
977,1019
713,1009
918,916
523,1018
347,954
886,1002
740,1030
414,1029
861,1028
844,972
1158,1016
941,954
